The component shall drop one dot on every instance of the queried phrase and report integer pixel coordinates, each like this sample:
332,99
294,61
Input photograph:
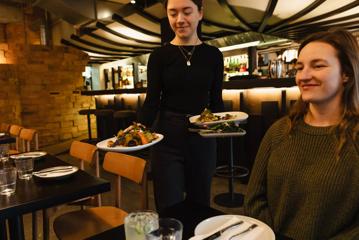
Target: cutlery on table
215,234
250,228
55,169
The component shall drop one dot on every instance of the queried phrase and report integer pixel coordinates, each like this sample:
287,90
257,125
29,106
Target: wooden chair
84,223
28,136
4,128
85,153
15,132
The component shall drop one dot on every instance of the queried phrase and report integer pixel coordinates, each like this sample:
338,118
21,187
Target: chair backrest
85,152
4,128
28,135
130,167
15,132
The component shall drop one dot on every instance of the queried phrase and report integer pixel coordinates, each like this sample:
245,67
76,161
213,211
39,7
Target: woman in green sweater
305,180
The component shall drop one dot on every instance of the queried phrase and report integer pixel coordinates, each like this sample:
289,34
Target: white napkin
254,234
230,221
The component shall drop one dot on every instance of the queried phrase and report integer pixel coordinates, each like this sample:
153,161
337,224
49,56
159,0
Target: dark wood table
6,139
36,194
189,213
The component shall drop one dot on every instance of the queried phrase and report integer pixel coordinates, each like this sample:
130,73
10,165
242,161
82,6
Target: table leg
45,222
89,125
3,231
16,228
230,199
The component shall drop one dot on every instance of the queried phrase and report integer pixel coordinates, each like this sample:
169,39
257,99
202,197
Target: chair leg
34,225
45,222
3,231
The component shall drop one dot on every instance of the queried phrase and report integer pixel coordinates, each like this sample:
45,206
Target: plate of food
135,137
224,129
207,118
258,229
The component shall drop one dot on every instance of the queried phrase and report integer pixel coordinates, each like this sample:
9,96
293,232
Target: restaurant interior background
60,56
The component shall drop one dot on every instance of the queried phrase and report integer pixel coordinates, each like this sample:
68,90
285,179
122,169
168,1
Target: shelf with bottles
236,65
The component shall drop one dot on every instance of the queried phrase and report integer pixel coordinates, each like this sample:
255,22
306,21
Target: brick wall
40,86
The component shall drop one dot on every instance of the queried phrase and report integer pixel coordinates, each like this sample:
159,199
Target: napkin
230,221
254,234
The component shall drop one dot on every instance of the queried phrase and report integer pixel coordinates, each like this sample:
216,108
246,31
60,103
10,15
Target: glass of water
25,167
138,224
169,229
7,181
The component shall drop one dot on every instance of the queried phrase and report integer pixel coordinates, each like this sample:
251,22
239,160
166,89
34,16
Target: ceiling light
239,46
133,1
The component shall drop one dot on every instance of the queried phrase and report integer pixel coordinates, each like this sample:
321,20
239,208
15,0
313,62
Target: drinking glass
169,229
138,224
24,166
7,181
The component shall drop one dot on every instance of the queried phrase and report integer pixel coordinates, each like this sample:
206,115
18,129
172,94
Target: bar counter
234,83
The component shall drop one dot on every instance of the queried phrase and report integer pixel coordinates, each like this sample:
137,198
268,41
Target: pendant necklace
187,54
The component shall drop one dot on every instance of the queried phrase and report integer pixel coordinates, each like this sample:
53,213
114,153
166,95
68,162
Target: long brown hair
347,50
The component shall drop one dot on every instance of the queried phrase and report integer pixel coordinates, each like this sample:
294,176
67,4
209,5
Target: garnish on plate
208,116
134,135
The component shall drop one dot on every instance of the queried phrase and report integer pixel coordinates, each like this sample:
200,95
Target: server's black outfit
183,162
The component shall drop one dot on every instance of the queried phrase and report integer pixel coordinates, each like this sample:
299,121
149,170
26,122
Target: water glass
138,224
7,181
169,229
24,166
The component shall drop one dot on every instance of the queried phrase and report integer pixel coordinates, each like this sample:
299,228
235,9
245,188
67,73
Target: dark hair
199,3
347,51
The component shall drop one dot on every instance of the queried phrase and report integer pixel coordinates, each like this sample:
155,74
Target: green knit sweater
300,189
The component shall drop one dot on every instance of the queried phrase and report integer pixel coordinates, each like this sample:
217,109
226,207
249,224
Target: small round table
230,171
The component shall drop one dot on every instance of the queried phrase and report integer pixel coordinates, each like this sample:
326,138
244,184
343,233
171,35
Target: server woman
305,180
184,77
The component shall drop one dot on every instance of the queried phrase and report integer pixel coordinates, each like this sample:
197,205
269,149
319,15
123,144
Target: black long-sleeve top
174,86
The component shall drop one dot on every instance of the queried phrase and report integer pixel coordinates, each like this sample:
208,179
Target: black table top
189,213
39,193
7,139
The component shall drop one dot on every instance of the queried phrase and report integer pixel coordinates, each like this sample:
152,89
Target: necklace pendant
188,63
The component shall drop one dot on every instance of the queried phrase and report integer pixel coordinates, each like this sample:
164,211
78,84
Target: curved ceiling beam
223,26
98,37
319,17
314,28
228,8
267,14
322,23
91,44
144,14
122,21
64,41
109,30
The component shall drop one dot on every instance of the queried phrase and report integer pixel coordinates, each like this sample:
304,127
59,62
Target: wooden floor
130,201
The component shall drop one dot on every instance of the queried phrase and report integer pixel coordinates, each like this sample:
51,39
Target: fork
251,227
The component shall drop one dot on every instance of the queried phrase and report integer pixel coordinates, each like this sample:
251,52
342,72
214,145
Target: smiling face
183,16
319,74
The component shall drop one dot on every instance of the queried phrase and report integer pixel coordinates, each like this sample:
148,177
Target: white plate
103,145
56,174
29,155
237,117
2,134
209,224
221,134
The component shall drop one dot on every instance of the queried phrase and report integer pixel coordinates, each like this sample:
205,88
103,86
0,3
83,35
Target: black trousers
183,163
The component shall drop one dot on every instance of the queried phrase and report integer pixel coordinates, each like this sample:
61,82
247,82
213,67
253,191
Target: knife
54,169
220,232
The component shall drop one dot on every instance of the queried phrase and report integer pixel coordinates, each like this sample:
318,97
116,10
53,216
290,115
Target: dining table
38,193
6,139
188,212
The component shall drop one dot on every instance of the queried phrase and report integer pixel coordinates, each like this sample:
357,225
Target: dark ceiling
111,30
